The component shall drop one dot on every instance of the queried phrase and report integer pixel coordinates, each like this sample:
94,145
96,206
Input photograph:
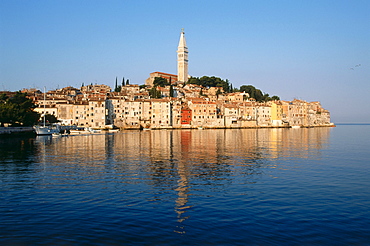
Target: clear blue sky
294,49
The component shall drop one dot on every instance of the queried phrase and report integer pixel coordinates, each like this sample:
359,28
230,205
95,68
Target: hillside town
192,106
176,103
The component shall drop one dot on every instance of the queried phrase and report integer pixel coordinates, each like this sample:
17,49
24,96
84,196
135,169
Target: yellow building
276,113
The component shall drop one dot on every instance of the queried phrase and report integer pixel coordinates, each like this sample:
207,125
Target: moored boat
45,130
86,130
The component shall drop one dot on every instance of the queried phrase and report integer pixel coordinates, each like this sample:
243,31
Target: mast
44,105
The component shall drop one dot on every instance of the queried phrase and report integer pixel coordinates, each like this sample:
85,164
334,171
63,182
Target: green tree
253,92
127,82
213,81
266,97
154,93
257,94
118,88
51,118
159,81
17,110
171,91
218,92
3,97
194,81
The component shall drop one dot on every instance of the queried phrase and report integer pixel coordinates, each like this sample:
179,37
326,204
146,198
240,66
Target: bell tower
182,59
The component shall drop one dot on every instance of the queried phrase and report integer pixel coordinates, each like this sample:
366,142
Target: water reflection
174,165
16,149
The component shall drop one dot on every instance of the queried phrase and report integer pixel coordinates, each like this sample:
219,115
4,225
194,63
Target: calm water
188,187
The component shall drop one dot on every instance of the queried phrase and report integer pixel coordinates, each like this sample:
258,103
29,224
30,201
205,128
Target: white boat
86,130
295,127
113,130
56,135
45,130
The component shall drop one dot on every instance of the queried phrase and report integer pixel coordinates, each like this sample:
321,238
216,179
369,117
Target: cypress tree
171,91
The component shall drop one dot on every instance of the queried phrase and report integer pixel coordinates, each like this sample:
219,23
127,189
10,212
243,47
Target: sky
305,49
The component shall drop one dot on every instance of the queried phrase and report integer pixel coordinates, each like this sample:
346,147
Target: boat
86,130
113,130
45,130
56,135
296,127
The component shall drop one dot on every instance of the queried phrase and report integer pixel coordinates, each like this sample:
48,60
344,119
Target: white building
182,59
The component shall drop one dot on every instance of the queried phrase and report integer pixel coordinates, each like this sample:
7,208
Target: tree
257,94
266,97
213,81
3,97
171,91
154,93
123,81
118,88
127,82
18,110
159,81
194,81
253,92
218,92
51,118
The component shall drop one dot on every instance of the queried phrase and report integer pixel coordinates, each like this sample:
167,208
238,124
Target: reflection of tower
183,183
182,59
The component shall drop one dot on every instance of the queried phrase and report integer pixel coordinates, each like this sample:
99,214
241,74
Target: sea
307,186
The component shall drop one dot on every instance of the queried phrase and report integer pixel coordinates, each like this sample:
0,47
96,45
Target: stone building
182,59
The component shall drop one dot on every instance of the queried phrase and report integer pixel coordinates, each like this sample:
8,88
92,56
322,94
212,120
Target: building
186,115
276,113
171,78
182,66
182,59
161,113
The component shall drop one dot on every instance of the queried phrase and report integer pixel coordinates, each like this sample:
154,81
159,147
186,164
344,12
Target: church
182,66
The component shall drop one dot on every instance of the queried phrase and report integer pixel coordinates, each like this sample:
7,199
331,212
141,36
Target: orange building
185,116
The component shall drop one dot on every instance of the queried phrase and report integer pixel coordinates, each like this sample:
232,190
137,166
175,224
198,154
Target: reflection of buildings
174,163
